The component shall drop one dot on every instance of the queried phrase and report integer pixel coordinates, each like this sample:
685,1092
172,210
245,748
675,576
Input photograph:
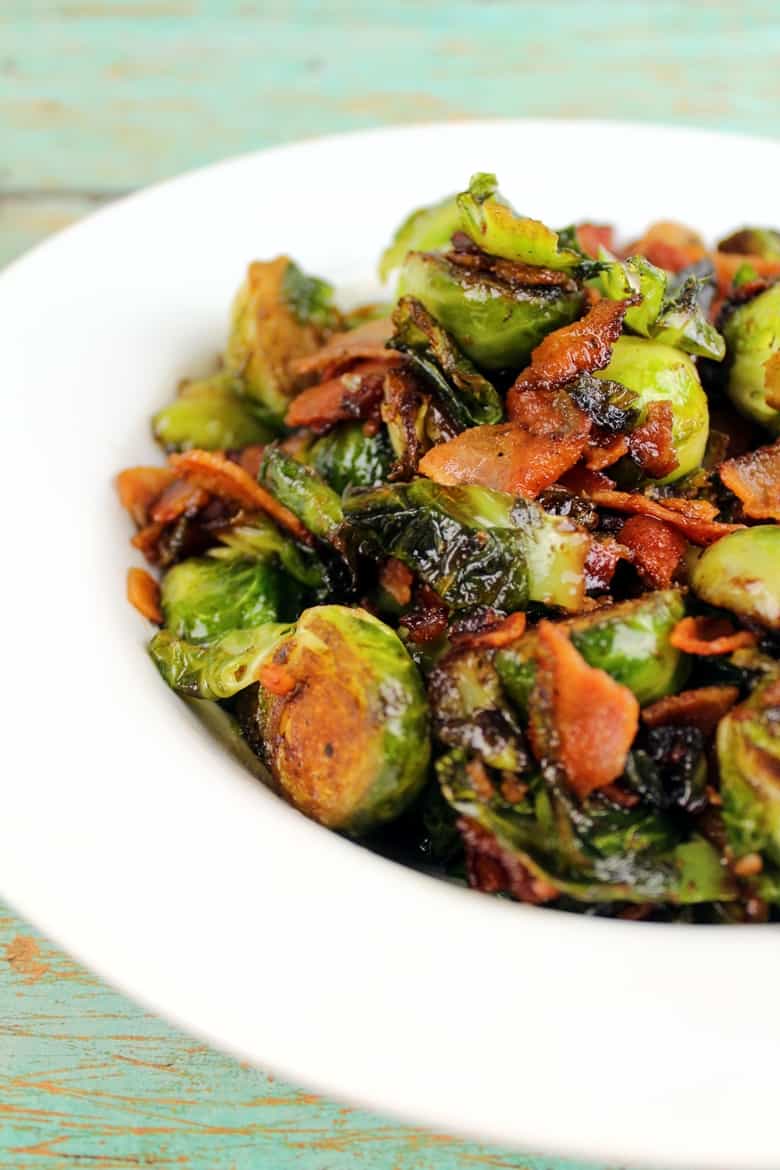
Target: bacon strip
727,264
180,498
353,394
658,549
575,349
683,515
579,716
651,445
367,341
213,472
512,272
669,245
604,450
139,487
593,236
493,869
143,592
703,707
704,636
755,479
494,637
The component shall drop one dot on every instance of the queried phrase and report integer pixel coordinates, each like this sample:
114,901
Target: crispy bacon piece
705,635
251,458
583,481
604,450
755,479
214,473
658,549
143,592
651,445
703,707
592,236
495,636
575,349
604,555
727,264
396,579
685,516
353,394
669,245
428,620
511,272
178,499
342,349
139,487
493,869
579,716
277,678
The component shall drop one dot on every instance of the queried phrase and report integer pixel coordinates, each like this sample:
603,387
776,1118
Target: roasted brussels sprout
340,717
493,322
260,539
279,314
752,333
753,241
303,491
425,230
204,597
212,414
620,280
748,745
217,669
494,225
682,323
741,572
351,456
630,641
470,710
660,373
474,546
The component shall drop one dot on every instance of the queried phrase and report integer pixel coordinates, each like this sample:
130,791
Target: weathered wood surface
100,96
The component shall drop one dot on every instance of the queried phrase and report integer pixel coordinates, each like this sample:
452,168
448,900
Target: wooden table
100,96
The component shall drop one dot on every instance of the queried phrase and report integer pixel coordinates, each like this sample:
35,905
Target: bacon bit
703,707
396,579
658,549
353,394
551,413
583,481
651,445
143,592
493,869
428,621
277,678
178,499
727,264
604,449
513,790
619,796
704,635
367,341
669,245
713,796
139,487
494,637
212,472
754,478
750,865
251,459
511,272
579,715
146,540
480,781
683,515
592,236
602,560
575,349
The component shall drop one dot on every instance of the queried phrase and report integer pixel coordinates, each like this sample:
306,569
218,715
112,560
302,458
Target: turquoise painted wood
100,96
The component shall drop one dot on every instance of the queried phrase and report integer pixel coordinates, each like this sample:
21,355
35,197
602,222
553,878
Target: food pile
489,576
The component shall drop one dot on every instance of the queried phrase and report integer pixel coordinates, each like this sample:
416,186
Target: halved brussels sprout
217,669
470,710
495,323
203,597
741,572
212,414
748,744
425,230
752,333
345,728
474,546
303,491
496,228
661,373
620,280
629,641
348,456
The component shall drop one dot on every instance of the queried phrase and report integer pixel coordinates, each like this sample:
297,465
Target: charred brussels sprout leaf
741,572
473,546
340,717
752,333
682,323
468,398
620,280
426,230
748,746
670,771
494,323
661,373
629,641
349,457
203,597
303,491
213,415
470,710
216,669
496,228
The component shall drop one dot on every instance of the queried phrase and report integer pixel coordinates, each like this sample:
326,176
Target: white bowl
130,835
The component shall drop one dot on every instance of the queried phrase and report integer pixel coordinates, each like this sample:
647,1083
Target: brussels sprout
211,414
260,539
474,546
741,572
279,314
629,641
345,732
467,396
594,852
753,241
494,225
683,323
470,711
495,323
303,491
349,457
204,597
216,669
659,373
748,746
752,333
619,281
425,230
